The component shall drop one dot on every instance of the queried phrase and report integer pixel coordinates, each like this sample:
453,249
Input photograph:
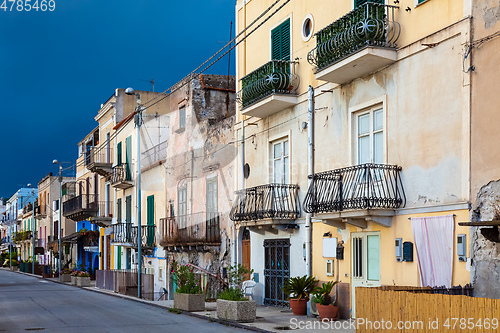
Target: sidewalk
269,319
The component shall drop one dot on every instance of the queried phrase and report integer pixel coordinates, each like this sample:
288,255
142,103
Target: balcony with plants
185,232
360,42
356,195
269,89
80,207
274,205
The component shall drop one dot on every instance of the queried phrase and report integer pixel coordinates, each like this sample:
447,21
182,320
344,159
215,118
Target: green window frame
280,42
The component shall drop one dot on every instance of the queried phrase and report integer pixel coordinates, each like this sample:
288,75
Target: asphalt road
31,304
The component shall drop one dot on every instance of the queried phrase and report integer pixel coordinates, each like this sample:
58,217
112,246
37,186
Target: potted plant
83,279
74,275
188,296
66,275
324,303
298,288
14,266
231,303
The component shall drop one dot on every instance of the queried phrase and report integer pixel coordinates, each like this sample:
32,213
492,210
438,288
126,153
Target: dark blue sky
56,68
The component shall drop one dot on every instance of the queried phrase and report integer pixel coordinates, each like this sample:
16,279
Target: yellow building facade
390,136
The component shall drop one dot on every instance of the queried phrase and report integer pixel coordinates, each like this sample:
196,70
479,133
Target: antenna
152,82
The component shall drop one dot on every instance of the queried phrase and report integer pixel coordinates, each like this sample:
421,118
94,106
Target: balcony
98,160
360,42
196,230
40,212
126,234
81,207
267,205
269,89
356,195
103,216
121,176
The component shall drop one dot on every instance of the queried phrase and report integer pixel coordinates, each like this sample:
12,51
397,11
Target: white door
365,263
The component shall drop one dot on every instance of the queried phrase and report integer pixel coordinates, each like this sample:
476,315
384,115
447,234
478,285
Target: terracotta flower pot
327,312
299,306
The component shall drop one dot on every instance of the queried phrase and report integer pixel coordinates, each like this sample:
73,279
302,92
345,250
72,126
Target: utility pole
138,123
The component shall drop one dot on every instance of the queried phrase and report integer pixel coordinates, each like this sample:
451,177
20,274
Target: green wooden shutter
280,42
119,153
128,156
119,255
150,237
128,209
151,209
119,210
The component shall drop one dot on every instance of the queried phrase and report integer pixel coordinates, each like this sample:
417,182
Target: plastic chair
247,287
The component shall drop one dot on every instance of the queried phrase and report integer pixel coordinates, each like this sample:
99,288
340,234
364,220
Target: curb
138,300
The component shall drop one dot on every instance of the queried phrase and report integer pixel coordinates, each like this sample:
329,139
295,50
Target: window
182,205
370,136
182,118
128,209
212,195
280,41
119,153
119,210
307,27
56,204
358,3
281,161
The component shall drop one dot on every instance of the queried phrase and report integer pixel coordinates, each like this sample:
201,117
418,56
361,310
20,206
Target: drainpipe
310,172
235,234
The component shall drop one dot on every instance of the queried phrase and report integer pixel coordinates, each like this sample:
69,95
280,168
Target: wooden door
245,244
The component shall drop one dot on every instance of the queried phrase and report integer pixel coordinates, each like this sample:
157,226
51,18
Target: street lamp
60,214
138,122
33,232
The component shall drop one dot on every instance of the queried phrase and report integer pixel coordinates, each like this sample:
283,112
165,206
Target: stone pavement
269,319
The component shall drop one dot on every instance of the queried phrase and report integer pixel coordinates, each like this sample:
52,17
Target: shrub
185,279
322,294
236,276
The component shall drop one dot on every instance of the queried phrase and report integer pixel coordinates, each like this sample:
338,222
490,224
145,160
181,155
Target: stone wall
485,270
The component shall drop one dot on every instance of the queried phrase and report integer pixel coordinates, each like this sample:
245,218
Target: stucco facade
418,103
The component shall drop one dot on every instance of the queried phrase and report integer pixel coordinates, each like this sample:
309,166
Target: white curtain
434,246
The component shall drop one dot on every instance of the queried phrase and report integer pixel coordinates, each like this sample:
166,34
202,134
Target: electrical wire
187,79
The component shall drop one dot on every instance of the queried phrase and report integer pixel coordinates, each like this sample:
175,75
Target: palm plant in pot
324,302
298,288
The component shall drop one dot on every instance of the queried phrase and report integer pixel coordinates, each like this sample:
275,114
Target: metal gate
276,271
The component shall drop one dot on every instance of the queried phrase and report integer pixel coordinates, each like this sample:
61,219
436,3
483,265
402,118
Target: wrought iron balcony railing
121,173
365,186
371,24
275,77
81,207
127,233
191,229
274,201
